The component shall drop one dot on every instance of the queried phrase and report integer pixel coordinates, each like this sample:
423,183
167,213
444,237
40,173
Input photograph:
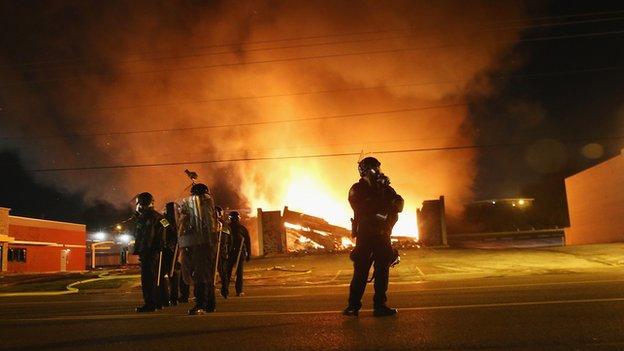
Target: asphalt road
549,312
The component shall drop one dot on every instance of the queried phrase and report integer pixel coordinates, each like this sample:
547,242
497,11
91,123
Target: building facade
596,203
31,245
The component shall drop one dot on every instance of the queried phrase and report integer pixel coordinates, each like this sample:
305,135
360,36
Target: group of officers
209,245
191,243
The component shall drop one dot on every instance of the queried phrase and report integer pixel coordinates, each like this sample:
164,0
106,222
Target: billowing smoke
137,66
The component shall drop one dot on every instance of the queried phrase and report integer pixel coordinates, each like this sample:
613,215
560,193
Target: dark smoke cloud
92,51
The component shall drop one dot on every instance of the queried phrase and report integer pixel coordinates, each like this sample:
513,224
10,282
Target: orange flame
312,192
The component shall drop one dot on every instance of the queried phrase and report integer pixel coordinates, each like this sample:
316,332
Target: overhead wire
342,42
314,57
459,147
378,31
304,119
247,124
328,91
310,156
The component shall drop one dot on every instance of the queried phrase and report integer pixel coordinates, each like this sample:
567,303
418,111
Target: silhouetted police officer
148,241
198,246
225,243
240,251
170,272
376,207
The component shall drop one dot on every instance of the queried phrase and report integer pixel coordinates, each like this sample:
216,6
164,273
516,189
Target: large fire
310,191
300,79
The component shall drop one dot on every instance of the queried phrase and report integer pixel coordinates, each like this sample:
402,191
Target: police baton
159,267
174,260
240,250
214,279
165,223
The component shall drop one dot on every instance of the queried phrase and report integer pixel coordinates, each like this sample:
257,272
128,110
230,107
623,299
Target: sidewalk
335,269
449,264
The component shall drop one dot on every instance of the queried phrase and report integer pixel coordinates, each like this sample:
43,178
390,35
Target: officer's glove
398,204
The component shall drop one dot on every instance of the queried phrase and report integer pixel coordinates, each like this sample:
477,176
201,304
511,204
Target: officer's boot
351,311
384,311
145,308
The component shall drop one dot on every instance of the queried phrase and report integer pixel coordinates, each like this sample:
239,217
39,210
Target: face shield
376,175
375,172
219,212
142,208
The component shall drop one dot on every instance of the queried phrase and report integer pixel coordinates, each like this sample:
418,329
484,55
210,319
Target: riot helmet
234,216
144,201
369,165
219,211
199,189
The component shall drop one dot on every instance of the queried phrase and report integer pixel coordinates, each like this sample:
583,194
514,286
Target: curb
70,289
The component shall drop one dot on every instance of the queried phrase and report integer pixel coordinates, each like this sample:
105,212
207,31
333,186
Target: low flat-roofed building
31,245
596,203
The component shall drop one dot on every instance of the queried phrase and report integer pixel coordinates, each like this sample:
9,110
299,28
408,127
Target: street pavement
574,311
417,265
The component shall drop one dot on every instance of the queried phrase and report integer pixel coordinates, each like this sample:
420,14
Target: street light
124,238
99,236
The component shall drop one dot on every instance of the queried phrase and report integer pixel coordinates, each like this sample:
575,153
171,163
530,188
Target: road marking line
504,285
326,281
421,282
69,289
277,313
424,308
247,297
423,289
131,301
91,317
419,271
337,274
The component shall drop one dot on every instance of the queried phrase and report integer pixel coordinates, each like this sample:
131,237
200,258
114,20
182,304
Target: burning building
291,231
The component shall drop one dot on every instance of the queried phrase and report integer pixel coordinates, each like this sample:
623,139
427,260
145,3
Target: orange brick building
596,203
30,245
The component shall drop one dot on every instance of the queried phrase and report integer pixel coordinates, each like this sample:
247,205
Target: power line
327,91
247,124
98,134
573,15
333,35
316,57
342,42
309,156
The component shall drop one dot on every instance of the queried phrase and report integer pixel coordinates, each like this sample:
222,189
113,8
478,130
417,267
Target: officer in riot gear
376,206
225,243
148,240
198,244
170,282
240,251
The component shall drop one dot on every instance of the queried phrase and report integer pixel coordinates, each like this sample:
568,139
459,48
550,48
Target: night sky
539,109
586,105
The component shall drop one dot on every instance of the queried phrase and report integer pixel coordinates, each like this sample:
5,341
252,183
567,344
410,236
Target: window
16,255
